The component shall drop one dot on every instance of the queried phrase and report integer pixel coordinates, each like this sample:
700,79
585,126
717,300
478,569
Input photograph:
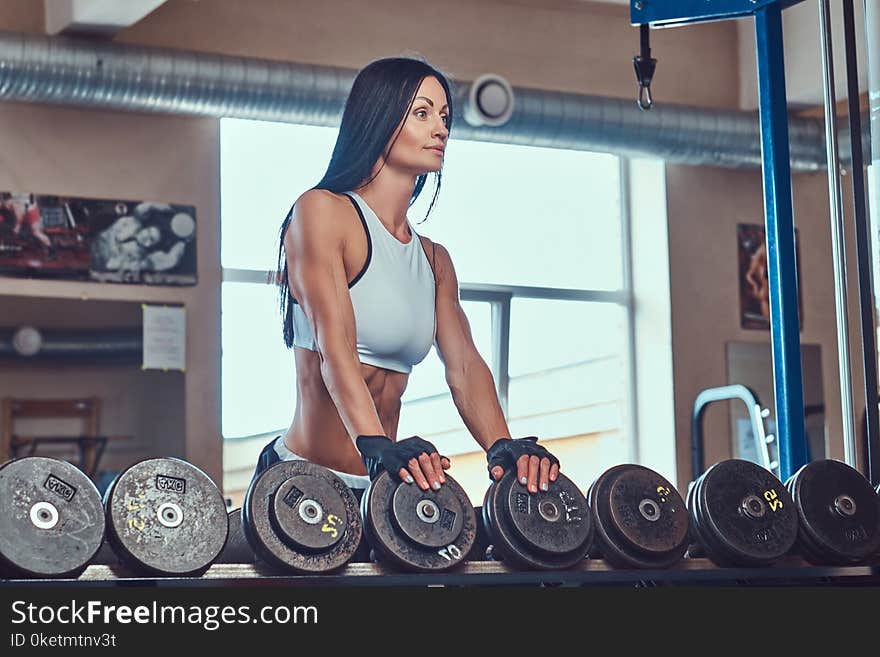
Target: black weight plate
695,549
640,519
838,512
533,532
744,514
106,556
431,521
236,549
709,543
308,513
51,518
301,517
166,517
705,544
404,535
551,520
806,546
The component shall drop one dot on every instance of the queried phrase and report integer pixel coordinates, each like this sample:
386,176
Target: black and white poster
118,241
142,242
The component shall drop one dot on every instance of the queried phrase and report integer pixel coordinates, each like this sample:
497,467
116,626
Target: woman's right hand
413,460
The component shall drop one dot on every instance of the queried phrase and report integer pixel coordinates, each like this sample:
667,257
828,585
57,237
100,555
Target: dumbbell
237,549
51,518
641,521
416,530
741,514
301,517
838,513
165,517
547,530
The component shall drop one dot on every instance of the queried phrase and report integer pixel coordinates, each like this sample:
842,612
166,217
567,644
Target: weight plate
838,513
51,518
166,517
236,549
695,548
640,519
300,516
418,530
742,514
307,512
546,530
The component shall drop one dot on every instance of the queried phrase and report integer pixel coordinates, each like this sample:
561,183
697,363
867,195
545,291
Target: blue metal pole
781,258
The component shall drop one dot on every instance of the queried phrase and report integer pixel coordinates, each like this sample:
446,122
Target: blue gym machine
782,271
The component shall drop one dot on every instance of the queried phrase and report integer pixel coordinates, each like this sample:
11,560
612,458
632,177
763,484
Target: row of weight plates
301,517
165,517
631,516
742,514
160,516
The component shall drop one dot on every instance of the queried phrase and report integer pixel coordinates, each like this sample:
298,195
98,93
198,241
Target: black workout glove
380,452
506,452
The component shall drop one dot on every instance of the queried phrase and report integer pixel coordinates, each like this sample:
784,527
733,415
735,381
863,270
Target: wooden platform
792,571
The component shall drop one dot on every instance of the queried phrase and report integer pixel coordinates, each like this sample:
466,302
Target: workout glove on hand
380,452
506,452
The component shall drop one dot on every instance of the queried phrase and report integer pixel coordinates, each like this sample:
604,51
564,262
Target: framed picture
118,241
754,284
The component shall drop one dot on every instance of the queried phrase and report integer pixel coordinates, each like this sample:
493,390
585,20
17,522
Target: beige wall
705,205
142,411
146,409
133,156
555,44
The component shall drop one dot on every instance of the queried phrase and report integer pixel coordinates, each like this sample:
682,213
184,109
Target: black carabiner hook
645,65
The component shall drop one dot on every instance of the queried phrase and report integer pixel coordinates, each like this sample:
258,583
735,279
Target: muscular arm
165,260
313,246
468,376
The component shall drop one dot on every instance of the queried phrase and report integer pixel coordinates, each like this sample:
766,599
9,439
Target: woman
364,297
26,211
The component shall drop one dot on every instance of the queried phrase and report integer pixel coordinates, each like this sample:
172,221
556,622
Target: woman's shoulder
437,254
320,212
321,200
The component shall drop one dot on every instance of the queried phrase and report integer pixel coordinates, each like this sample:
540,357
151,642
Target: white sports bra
393,299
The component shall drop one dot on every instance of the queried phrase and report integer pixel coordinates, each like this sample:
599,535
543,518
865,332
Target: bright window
536,236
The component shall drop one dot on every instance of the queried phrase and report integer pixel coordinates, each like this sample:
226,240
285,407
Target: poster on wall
164,338
40,237
754,284
116,241
142,242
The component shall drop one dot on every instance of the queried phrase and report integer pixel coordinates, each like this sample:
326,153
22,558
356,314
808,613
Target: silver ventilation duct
99,74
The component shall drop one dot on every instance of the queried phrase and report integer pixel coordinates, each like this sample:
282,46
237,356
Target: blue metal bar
782,263
679,12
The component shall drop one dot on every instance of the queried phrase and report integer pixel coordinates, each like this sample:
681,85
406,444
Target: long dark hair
382,93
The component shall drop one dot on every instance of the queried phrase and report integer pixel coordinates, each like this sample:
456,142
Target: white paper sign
164,338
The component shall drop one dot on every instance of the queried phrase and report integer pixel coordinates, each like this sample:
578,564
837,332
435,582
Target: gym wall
702,242
553,44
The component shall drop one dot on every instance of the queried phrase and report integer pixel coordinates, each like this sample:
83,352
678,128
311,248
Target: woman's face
149,236
419,147
125,228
